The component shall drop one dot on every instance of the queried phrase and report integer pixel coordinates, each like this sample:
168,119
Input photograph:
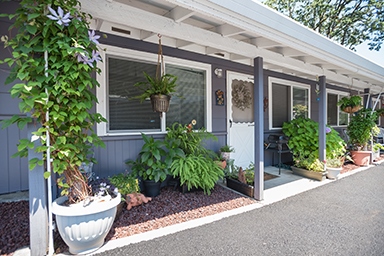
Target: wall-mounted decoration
265,103
241,96
219,97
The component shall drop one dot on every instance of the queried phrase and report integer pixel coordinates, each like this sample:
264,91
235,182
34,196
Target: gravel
170,207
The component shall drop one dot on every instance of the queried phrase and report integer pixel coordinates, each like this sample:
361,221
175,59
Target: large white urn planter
84,228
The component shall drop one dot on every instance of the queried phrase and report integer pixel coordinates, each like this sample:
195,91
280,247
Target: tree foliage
349,22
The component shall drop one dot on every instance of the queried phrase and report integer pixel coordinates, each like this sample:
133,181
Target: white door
240,110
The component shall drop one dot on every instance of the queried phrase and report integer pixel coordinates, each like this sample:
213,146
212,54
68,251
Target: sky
374,56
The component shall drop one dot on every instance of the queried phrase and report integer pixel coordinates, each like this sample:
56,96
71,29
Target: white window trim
339,93
291,84
101,92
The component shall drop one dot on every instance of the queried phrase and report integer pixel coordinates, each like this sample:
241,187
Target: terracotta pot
222,164
361,158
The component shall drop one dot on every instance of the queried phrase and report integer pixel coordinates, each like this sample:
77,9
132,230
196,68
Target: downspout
50,219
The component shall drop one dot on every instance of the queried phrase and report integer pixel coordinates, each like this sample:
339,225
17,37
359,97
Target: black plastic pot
151,188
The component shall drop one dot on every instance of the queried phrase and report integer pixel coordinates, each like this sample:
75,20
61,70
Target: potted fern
225,152
196,168
159,88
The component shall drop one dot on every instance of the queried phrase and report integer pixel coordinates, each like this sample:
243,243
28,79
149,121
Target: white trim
101,93
291,84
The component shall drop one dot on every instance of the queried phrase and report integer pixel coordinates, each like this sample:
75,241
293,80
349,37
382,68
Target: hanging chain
160,61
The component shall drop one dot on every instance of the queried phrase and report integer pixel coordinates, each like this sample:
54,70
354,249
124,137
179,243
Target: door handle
230,123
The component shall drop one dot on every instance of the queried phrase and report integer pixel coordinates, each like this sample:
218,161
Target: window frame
339,95
101,91
291,84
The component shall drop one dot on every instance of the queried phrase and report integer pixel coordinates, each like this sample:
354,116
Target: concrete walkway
341,217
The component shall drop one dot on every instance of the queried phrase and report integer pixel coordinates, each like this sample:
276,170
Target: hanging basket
351,109
160,103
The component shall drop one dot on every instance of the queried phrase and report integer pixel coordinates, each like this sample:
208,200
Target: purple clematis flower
83,58
93,37
62,19
95,56
327,129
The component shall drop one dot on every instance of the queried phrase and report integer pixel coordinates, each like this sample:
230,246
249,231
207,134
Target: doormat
268,176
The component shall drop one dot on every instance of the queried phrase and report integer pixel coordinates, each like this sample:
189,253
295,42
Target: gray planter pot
333,172
84,228
320,176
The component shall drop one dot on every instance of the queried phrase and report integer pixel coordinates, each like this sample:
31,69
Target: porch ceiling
237,30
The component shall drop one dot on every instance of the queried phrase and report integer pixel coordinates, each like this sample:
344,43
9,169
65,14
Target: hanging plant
158,88
350,104
54,58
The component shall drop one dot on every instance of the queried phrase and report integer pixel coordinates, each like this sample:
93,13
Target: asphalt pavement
344,217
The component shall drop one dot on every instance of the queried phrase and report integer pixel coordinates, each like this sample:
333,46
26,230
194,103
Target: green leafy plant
191,142
377,147
380,112
249,173
227,148
163,85
197,171
125,183
54,56
197,167
155,158
362,128
150,163
350,101
310,163
303,136
335,162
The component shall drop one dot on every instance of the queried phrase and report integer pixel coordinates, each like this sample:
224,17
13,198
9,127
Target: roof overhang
238,30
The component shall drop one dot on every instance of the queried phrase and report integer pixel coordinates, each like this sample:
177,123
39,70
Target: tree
349,22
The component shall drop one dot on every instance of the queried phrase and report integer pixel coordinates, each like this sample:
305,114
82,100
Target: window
336,117
376,105
127,115
288,100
